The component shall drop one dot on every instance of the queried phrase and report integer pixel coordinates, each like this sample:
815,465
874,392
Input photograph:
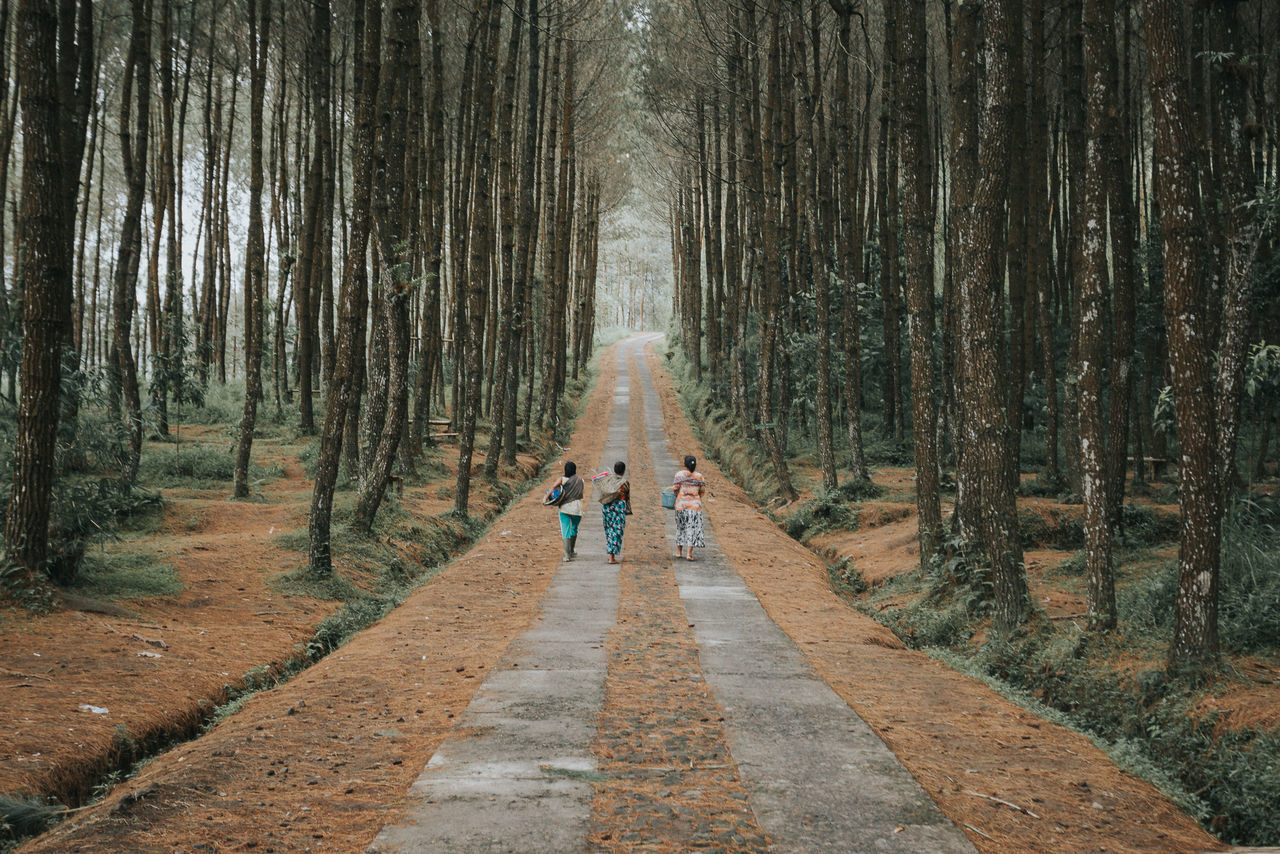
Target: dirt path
327,760
323,761
964,743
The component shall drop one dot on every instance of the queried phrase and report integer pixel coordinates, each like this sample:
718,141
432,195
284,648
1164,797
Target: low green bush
1142,525
826,512
858,490
1058,529
926,625
1249,608
846,578
22,817
221,403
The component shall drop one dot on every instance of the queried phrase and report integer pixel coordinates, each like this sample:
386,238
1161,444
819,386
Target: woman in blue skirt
570,504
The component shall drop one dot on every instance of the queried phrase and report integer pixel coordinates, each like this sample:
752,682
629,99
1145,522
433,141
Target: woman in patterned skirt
689,488
615,506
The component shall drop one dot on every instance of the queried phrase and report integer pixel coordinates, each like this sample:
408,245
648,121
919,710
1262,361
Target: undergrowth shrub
89,499
826,512
1141,525
1146,604
1041,487
858,490
221,403
925,624
1226,778
85,511
1053,528
354,616
1072,567
885,451
846,578
22,817
1249,585
1249,608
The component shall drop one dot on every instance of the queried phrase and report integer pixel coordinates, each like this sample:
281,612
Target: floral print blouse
689,487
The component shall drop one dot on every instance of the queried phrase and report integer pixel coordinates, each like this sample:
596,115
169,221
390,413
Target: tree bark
1195,632
1092,289
353,293
986,419
917,215
135,117
255,250
45,274
481,249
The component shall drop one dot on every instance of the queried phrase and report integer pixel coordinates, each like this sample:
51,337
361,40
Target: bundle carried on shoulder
610,487
564,492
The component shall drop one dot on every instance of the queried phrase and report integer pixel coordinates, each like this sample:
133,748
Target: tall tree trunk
526,241
481,251
135,117
851,227
1016,241
917,216
1233,68
1092,288
1038,233
1074,107
45,274
77,87
255,273
506,325
819,252
312,243
353,293
1195,631
986,421
964,177
769,431
1123,251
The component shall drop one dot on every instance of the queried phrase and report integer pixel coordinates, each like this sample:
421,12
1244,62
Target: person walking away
615,506
689,487
570,504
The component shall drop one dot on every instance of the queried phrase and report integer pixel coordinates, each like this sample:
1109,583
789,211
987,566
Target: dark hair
570,468
619,467
690,462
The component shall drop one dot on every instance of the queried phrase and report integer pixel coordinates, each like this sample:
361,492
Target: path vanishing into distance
517,702
658,705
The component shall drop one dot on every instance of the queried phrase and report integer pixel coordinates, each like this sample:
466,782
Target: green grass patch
197,467
111,574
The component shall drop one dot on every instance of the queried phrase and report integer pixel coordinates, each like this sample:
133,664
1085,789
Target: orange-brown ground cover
321,762
963,742
317,763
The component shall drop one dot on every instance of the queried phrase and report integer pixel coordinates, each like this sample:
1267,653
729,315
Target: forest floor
324,760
